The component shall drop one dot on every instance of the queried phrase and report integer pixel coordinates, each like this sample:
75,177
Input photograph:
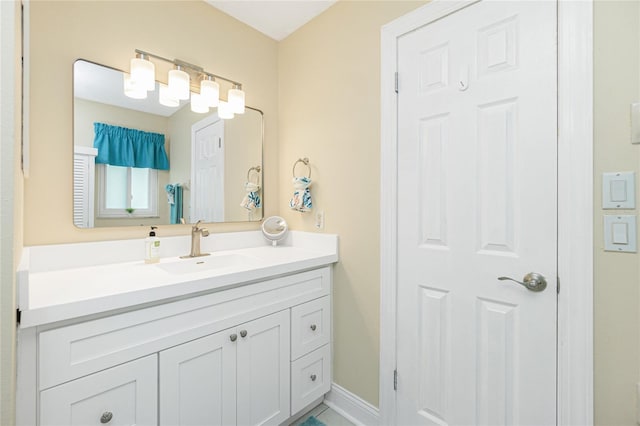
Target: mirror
274,229
214,170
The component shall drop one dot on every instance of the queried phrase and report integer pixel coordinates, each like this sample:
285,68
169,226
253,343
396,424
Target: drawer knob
313,327
313,377
243,333
106,417
233,337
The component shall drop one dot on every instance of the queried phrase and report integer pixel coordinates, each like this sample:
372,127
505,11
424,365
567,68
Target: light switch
620,233
618,190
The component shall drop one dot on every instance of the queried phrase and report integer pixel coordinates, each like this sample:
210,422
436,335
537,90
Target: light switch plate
620,233
619,190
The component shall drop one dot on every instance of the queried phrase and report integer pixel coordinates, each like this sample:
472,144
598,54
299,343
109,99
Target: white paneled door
477,184
207,170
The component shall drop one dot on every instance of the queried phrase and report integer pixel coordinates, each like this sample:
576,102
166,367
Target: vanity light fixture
199,103
210,90
235,98
224,111
143,72
133,90
166,98
179,83
179,86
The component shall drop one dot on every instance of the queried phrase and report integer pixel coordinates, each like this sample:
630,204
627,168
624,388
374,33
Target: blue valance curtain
120,146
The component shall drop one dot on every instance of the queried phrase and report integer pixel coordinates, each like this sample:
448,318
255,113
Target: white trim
352,407
575,212
26,87
9,143
575,205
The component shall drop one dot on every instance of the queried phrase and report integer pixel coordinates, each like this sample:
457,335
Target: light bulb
166,97
224,111
210,91
133,91
236,99
199,104
179,84
143,73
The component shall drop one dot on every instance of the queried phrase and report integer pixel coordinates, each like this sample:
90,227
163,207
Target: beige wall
63,31
11,199
330,112
239,156
616,275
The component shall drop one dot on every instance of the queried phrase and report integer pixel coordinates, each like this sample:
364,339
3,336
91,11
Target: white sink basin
207,263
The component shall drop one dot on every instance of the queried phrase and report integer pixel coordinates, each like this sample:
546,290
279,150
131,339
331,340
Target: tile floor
326,415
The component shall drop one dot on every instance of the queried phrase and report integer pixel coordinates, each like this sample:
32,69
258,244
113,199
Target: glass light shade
210,91
132,90
143,73
236,100
179,84
224,111
199,104
166,97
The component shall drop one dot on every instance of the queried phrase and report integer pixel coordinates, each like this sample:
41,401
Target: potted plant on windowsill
130,211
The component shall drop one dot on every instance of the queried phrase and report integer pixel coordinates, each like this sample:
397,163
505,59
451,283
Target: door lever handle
532,281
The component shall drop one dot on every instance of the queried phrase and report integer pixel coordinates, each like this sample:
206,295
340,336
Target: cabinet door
263,370
123,395
198,382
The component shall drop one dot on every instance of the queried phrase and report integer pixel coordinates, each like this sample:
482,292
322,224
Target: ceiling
274,18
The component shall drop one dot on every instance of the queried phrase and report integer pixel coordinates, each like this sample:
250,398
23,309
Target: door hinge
395,380
558,285
396,82
219,142
18,315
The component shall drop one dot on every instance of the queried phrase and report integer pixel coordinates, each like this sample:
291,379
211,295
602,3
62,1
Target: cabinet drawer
310,378
310,326
122,395
73,351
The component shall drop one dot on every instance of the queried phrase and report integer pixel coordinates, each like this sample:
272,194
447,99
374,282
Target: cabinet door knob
106,417
313,327
233,337
313,377
243,333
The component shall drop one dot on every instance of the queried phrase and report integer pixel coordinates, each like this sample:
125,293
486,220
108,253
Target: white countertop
62,282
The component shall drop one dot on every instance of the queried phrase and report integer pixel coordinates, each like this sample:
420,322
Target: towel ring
257,169
304,161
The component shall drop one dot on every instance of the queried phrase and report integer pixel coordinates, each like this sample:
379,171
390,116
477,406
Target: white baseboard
352,407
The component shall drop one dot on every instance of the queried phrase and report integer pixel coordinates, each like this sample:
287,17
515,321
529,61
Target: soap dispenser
152,247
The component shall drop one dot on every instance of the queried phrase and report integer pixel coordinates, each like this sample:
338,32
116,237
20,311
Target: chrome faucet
196,232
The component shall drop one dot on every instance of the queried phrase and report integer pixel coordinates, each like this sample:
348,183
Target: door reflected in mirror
212,170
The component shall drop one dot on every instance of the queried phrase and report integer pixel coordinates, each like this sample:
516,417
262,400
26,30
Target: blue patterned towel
251,200
301,200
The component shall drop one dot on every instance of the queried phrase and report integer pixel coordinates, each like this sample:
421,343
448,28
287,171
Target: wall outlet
320,219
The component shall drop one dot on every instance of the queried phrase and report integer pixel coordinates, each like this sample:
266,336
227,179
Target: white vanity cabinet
122,395
250,354
237,376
